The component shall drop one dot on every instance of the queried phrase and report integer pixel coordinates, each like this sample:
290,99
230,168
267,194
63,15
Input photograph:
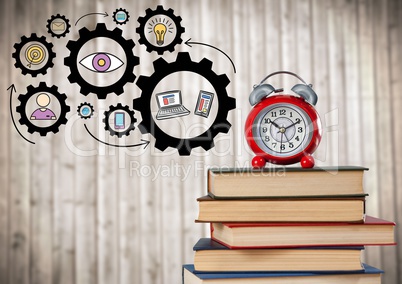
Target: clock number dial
284,129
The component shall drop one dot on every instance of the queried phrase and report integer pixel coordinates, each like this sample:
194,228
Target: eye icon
101,62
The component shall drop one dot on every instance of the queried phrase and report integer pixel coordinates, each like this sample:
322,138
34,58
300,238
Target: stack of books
286,225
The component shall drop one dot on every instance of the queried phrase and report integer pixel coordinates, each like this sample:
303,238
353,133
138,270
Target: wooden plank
41,197
384,126
288,43
367,91
150,267
336,83
352,115
106,171
320,77
85,182
63,266
19,228
5,145
395,41
130,183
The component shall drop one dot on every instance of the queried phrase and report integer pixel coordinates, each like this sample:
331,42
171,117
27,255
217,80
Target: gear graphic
99,32
148,15
121,21
125,109
85,110
31,91
163,69
35,54
59,19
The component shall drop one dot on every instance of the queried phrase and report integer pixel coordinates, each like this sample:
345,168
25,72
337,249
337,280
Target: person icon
43,113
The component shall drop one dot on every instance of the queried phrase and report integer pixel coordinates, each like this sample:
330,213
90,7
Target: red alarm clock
283,129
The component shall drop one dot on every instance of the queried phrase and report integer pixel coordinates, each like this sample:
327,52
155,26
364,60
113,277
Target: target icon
35,54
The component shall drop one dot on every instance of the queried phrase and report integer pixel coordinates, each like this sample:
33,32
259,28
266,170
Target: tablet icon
170,105
204,104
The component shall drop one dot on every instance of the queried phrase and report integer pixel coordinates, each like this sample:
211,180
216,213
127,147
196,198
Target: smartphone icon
119,120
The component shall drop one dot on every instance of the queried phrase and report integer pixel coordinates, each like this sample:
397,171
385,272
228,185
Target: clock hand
275,124
281,142
284,133
297,122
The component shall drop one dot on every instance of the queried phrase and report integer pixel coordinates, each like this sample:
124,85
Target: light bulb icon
160,32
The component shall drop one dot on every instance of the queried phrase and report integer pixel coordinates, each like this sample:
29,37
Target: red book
373,231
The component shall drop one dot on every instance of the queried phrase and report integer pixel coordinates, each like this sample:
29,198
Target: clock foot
258,162
307,162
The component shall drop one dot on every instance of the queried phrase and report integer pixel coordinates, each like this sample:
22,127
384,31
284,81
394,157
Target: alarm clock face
282,130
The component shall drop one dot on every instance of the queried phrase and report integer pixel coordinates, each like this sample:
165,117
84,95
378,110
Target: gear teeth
184,151
83,32
143,82
147,11
208,147
118,31
101,27
183,56
119,91
170,49
206,63
130,44
231,103
71,79
161,146
137,104
160,63
70,45
224,80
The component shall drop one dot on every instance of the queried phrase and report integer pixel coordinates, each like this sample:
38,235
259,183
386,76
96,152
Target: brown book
285,182
345,209
212,256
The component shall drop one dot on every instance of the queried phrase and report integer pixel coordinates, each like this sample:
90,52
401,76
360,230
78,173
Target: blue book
213,256
370,275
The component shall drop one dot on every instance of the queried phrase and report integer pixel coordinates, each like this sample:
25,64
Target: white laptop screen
168,99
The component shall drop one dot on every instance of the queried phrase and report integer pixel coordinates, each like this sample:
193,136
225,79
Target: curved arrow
188,42
13,89
104,14
144,142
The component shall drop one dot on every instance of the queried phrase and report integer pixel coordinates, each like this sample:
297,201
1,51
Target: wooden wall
75,211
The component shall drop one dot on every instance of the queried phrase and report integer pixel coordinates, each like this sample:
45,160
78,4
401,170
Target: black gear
31,91
64,19
159,11
49,60
85,36
81,106
163,69
121,10
127,110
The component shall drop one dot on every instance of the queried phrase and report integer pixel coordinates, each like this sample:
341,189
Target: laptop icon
170,105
